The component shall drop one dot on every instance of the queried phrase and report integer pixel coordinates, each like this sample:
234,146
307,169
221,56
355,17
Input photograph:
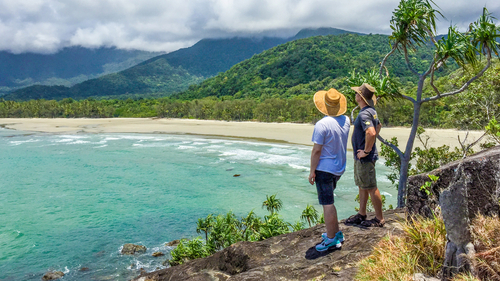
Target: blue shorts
326,184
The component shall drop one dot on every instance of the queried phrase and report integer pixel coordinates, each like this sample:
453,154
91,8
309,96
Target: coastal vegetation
470,110
221,231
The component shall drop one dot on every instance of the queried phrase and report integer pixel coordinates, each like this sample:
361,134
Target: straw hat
367,93
331,102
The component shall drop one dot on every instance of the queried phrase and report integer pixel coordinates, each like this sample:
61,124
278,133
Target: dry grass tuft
486,237
419,250
465,277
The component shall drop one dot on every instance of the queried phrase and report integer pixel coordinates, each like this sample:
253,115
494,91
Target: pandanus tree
413,25
205,225
310,215
272,204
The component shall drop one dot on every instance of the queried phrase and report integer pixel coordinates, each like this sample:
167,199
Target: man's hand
361,154
312,178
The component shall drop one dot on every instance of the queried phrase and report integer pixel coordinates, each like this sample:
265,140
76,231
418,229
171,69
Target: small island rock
158,254
130,249
173,243
52,275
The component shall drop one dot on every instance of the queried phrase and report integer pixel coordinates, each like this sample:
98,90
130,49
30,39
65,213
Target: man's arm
315,155
370,136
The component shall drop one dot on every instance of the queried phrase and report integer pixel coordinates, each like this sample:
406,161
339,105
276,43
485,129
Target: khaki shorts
364,174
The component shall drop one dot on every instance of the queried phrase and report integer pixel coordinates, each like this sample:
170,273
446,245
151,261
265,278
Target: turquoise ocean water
71,201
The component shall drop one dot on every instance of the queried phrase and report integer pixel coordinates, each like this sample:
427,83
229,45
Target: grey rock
481,177
53,275
290,256
459,252
130,249
173,243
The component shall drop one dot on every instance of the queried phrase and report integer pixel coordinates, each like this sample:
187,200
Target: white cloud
48,25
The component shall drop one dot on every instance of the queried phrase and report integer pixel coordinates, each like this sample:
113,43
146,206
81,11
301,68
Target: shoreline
294,133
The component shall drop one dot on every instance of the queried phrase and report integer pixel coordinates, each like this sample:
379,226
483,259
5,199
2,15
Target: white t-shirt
332,133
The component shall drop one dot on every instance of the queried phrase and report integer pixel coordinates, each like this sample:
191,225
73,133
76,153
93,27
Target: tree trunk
403,178
459,255
405,161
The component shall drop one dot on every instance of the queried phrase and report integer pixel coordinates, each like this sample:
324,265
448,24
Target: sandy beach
280,132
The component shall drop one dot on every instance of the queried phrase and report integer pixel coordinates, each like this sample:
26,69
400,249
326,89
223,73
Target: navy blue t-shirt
367,118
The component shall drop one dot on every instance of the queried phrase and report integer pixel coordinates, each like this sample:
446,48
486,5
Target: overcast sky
45,26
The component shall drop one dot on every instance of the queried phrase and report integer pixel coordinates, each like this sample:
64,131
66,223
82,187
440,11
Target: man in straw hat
328,160
366,128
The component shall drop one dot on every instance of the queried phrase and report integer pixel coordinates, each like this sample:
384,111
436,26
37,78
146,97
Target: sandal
355,219
373,223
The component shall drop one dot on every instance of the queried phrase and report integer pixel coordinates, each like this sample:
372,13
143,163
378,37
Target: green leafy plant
493,130
188,250
426,187
310,215
272,204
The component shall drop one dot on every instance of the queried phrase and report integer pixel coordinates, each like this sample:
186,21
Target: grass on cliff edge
421,250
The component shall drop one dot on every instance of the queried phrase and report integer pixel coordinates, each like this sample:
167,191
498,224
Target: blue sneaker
339,235
327,244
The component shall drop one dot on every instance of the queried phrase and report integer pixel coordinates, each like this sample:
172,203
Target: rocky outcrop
480,174
52,275
459,253
173,243
130,249
464,189
290,256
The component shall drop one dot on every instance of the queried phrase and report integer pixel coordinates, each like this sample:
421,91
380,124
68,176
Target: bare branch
466,148
408,62
431,36
433,66
465,86
382,64
396,149
409,98
432,81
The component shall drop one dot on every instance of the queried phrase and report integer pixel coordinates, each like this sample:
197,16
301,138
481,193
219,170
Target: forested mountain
169,73
66,67
304,66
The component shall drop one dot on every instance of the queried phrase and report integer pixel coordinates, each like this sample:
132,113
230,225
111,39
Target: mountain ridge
189,66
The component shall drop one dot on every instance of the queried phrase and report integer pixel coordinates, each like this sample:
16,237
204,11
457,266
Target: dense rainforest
470,110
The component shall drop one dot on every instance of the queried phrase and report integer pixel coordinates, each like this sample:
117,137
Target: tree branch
466,148
465,86
432,78
409,98
382,64
396,149
408,62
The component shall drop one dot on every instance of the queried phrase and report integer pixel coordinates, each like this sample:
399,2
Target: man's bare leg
331,220
377,203
363,200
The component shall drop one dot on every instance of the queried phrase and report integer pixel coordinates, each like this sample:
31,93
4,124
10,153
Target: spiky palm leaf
457,47
484,33
310,215
413,23
272,204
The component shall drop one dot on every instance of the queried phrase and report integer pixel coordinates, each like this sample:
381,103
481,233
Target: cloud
45,26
